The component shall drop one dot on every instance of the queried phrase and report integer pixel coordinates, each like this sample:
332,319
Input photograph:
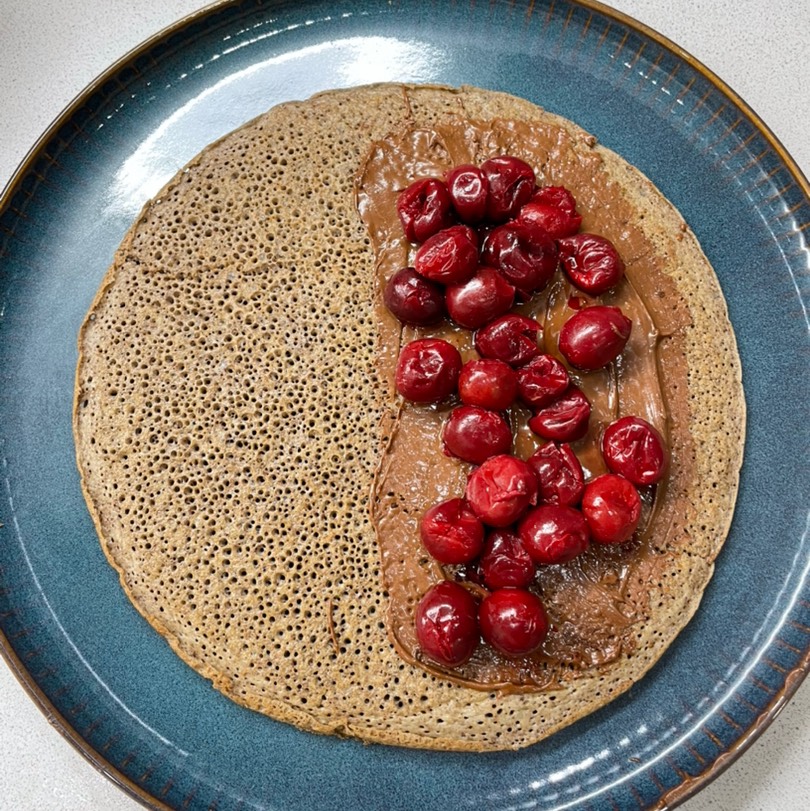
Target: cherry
612,507
449,256
511,185
424,208
468,187
480,299
487,383
558,197
591,262
541,381
595,336
451,532
447,624
553,533
566,419
635,449
513,621
413,299
505,561
553,209
511,338
525,254
553,221
501,490
428,370
559,474
474,434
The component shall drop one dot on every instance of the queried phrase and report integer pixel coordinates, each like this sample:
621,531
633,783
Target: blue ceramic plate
114,685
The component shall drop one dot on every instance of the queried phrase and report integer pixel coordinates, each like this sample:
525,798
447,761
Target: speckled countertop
50,50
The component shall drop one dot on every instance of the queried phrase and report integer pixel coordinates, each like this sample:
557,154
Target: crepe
233,416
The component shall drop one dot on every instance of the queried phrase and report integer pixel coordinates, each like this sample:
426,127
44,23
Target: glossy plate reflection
114,685
238,97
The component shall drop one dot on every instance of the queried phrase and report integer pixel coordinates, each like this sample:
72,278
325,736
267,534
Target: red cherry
595,336
566,419
501,490
448,257
553,533
447,624
553,209
591,262
424,208
480,299
559,474
511,185
541,381
468,187
612,508
553,221
525,254
474,434
487,383
428,370
511,338
451,532
635,449
413,299
513,621
505,561
556,196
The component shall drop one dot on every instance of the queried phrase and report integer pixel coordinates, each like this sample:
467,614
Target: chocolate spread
596,601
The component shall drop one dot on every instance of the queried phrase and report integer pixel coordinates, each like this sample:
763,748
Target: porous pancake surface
231,415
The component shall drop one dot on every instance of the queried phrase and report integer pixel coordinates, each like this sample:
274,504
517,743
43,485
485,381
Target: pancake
235,419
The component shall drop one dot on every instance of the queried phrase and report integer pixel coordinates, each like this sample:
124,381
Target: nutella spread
594,602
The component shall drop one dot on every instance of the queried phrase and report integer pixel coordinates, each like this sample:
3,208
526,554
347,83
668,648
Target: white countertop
50,50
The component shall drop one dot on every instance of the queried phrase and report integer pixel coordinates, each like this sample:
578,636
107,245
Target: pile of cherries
489,238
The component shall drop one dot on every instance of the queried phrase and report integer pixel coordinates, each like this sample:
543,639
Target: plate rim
689,784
